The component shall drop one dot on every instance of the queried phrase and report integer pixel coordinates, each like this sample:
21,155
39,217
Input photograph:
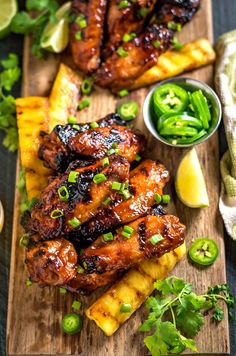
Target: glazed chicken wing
150,236
52,262
75,197
134,58
125,21
145,181
86,33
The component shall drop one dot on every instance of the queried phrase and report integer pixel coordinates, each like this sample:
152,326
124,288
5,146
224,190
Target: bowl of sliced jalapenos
182,112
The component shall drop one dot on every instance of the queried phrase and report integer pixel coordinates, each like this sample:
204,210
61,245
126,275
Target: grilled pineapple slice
35,114
193,55
133,288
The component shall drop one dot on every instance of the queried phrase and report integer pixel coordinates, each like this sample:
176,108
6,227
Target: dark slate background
224,19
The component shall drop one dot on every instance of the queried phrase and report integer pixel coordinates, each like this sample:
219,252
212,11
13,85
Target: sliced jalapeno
201,108
184,119
178,131
71,323
170,98
203,251
188,140
128,111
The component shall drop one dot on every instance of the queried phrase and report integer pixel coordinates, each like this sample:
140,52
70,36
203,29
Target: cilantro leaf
10,62
37,5
10,141
189,321
218,314
9,77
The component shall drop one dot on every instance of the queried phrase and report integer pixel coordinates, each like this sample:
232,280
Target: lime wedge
55,37
190,183
8,11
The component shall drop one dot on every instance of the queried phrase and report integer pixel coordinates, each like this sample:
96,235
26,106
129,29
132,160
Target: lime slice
190,183
55,37
8,11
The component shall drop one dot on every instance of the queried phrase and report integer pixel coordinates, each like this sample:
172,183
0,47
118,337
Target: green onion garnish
125,308
126,234
74,222
24,241
62,290
63,193
129,36
174,26
111,151
128,229
108,236
155,239
71,120
126,194
76,127
178,45
72,176
165,198
122,52
76,305
156,43
94,125
85,265
142,12
123,93
106,202
80,20
86,86
57,213
78,36
158,198
137,158
83,104
123,4
80,270
105,162
116,186
28,282
99,178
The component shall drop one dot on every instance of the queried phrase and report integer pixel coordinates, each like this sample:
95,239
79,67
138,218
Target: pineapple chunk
193,55
133,288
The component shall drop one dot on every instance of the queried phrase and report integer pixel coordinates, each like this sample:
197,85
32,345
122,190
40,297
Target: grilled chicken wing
137,56
54,149
87,33
123,253
125,21
83,201
52,262
145,181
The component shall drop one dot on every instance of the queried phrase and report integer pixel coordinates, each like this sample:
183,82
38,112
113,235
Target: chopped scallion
129,36
116,186
155,239
123,4
62,290
128,229
99,178
122,52
63,193
71,120
74,222
81,21
72,176
76,305
125,308
76,127
106,201
156,43
126,234
94,125
28,282
24,241
57,213
123,93
178,45
80,270
105,162
83,104
86,86
165,198
158,198
78,36
126,194
108,237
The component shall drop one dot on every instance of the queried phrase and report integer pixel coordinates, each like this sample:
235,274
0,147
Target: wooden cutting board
34,314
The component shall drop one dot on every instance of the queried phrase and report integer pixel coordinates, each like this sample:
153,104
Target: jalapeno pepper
203,251
71,323
201,108
187,140
178,131
128,111
184,119
170,98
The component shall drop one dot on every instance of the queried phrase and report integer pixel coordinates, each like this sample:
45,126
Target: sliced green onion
99,178
85,265
80,20
106,202
123,93
123,4
73,176
86,86
62,290
122,52
126,234
71,120
111,151
76,305
76,127
155,239
126,194
128,229
80,270
158,198
178,45
116,186
129,36
128,110
125,308
74,222
57,213
156,43
83,104
28,282
105,162
94,125
78,36
165,198
142,12
24,241
174,26
137,158
63,193
108,237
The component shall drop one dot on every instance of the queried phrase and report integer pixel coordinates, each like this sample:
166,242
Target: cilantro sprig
25,204
9,75
177,314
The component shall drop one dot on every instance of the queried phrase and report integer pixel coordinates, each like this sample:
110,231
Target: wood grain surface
34,314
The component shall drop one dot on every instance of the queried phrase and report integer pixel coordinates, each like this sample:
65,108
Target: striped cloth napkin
225,82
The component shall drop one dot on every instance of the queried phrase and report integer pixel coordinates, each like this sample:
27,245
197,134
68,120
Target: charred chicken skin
87,33
125,21
134,58
146,180
123,253
84,197
52,262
